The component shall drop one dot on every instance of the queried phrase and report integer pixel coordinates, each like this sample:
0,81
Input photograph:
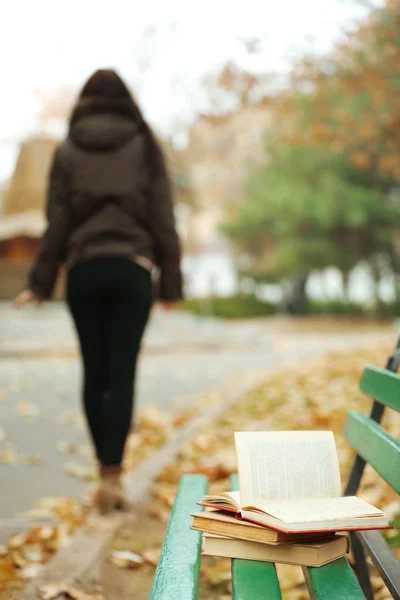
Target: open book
290,481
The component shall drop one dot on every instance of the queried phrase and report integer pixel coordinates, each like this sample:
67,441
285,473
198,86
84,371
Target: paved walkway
183,357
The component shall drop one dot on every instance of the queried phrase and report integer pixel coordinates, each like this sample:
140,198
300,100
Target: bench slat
333,581
384,559
376,446
177,574
252,579
382,385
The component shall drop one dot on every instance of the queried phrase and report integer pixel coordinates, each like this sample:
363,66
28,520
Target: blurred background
280,122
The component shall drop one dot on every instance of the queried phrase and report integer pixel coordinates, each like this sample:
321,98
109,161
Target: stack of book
288,508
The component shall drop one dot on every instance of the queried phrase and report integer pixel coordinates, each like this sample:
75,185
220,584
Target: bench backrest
381,450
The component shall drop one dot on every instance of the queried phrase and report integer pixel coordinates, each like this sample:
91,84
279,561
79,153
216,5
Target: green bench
177,572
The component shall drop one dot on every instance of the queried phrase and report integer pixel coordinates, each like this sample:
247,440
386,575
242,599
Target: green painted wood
234,479
375,446
333,581
383,385
177,575
253,580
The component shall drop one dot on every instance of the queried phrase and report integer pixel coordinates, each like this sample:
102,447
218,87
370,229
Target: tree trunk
376,277
395,266
346,285
298,301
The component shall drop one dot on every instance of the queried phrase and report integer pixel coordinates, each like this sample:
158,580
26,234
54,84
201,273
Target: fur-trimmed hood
101,124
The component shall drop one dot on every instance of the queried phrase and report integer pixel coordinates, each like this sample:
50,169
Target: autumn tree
350,100
307,210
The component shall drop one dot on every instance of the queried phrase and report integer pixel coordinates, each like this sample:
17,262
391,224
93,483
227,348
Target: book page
286,465
324,509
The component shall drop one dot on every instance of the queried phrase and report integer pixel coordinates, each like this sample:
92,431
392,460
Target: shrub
241,306
336,307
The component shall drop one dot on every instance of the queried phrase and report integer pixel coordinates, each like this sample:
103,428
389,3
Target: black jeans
110,300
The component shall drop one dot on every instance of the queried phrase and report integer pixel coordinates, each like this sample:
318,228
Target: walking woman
110,221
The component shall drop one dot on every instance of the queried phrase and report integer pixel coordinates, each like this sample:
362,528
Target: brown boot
110,495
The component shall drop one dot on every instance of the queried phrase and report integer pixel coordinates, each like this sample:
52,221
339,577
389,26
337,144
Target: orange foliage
350,101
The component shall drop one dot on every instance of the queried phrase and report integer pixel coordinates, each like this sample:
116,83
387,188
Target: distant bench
177,573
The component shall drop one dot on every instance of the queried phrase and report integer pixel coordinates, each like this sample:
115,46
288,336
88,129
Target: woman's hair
107,85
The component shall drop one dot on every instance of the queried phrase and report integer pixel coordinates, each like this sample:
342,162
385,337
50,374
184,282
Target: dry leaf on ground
8,457
17,540
32,571
26,409
66,448
81,472
152,556
53,591
124,559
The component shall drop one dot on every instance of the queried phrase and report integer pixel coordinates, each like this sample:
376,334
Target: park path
183,357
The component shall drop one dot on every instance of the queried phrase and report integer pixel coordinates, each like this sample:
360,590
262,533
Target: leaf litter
315,394
26,409
53,591
24,556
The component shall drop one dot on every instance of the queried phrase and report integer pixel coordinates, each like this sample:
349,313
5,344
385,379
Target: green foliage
310,209
241,306
336,307
245,306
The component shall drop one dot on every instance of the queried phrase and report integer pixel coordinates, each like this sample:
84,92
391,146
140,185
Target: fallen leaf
46,533
8,457
33,460
81,472
52,591
18,558
97,523
7,569
125,559
152,556
76,594
26,409
66,448
37,514
31,571
17,541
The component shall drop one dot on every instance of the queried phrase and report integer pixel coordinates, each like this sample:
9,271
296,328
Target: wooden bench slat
177,574
252,579
382,385
333,581
376,446
384,559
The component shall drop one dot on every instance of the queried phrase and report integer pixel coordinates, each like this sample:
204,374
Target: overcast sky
46,43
